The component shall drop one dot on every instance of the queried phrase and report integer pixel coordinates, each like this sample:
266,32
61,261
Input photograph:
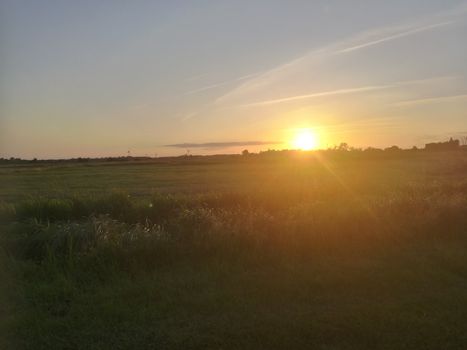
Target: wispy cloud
359,125
399,35
188,116
427,100
315,57
222,144
352,90
441,136
223,83
317,94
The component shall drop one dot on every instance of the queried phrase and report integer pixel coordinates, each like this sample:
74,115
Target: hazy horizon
95,79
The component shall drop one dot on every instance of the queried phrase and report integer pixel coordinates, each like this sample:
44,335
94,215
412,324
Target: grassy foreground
315,251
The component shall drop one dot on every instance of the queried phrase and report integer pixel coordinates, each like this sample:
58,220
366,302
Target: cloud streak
435,99
394,36
223,83
222,144
352,44
346,91
317,94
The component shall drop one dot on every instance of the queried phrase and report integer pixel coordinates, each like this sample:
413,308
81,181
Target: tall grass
173,227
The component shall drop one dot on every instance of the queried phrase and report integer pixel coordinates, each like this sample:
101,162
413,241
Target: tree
343,147
245,152
392,149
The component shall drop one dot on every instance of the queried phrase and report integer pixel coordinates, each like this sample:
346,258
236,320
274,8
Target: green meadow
297,250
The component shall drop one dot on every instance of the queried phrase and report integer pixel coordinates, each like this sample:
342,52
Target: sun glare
305,140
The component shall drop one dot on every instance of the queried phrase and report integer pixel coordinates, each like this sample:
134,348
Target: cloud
364,124
430,100
369,38
188,116
346,91
318,94
223,83
222,144
441,136
394,36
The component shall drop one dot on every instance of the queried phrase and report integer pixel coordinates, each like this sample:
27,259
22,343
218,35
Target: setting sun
305,140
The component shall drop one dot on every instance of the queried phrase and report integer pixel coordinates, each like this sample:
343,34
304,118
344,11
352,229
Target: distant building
443,146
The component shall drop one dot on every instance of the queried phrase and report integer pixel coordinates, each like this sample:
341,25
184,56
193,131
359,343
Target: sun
305,140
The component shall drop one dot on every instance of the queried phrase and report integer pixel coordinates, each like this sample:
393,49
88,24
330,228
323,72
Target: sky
104,78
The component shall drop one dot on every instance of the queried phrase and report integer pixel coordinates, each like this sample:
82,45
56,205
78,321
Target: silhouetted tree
343,147
392,148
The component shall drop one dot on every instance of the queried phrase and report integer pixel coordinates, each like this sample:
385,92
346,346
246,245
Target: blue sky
99,78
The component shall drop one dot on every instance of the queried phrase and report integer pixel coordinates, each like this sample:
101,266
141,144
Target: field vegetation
299,250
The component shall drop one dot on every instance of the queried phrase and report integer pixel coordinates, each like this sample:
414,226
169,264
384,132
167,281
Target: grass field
317,250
